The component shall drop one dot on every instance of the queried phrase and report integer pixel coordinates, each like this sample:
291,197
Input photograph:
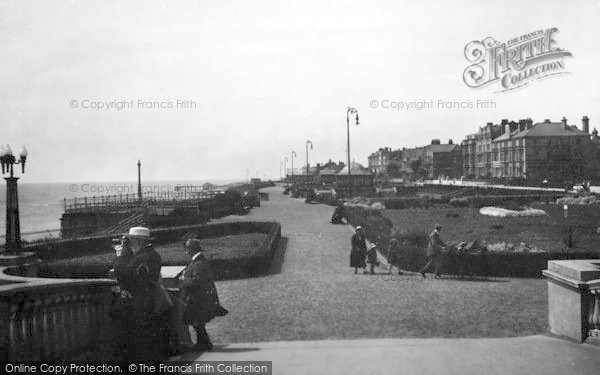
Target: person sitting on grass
393,255
372,257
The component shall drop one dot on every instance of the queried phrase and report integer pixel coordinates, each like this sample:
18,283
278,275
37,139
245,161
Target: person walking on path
359,250
372,257
434,250
199,294
393,255
148,306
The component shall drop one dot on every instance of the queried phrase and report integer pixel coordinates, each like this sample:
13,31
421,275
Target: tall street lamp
280,166
311,147
285,160
351,111
293,154
13,228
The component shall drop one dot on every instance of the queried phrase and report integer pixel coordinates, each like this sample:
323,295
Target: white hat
372,246
138,232
358,227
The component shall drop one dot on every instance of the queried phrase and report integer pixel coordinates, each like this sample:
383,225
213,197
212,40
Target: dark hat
193,244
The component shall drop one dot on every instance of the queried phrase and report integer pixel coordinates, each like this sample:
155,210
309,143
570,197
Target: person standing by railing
146,306
199,295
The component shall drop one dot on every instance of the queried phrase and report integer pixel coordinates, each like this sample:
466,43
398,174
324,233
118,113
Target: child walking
372,257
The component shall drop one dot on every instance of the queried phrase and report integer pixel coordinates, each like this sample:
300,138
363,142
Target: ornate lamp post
285,160
311,147
293,154
351,111
13,229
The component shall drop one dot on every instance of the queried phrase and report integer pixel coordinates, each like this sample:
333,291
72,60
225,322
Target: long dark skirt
357,259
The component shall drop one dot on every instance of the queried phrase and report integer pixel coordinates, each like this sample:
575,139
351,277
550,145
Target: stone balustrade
53,319
574,298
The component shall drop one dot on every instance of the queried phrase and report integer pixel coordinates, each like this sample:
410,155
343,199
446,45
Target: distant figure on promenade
358,251
393,255
199,295
372,257
145,305
434,251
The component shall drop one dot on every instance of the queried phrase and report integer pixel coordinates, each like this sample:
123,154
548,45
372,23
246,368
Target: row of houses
336,176
553,151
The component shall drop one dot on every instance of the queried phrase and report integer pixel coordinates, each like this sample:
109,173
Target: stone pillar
572,294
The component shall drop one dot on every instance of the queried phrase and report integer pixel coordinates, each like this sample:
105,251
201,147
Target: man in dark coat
434,250
137,269
359,250
199,295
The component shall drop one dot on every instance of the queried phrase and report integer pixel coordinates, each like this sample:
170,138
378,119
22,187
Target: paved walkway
304,296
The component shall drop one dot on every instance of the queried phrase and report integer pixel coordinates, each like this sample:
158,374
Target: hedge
412,257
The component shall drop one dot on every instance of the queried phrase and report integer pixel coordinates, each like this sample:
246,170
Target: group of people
360,256
145,312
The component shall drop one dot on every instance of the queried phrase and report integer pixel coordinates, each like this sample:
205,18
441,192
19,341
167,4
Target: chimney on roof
450,142
595,135
490,124
529,123
504,121
507,129
564,122
547,121
585,121
435,141
522,125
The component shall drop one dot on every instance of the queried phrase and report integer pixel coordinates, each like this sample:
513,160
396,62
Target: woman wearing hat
199,295
137,269
358,250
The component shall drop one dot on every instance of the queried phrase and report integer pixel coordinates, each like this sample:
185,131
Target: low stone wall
68,248
246,266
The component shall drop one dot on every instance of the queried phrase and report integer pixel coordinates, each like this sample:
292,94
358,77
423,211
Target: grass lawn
546,232
171,254
361,306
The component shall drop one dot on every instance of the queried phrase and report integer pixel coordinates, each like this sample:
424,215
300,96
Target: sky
262,78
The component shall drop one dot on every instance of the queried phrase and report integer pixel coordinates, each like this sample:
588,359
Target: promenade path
311,314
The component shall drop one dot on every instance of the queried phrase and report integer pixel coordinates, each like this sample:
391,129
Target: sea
41,205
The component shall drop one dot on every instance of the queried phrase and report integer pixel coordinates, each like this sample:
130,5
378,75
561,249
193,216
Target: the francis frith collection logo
514,63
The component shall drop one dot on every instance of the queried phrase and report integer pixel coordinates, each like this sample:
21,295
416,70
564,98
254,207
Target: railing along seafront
53,319
36,236
133,200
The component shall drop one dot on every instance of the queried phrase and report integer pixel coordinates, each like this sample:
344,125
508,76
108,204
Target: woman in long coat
359,250
199,295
